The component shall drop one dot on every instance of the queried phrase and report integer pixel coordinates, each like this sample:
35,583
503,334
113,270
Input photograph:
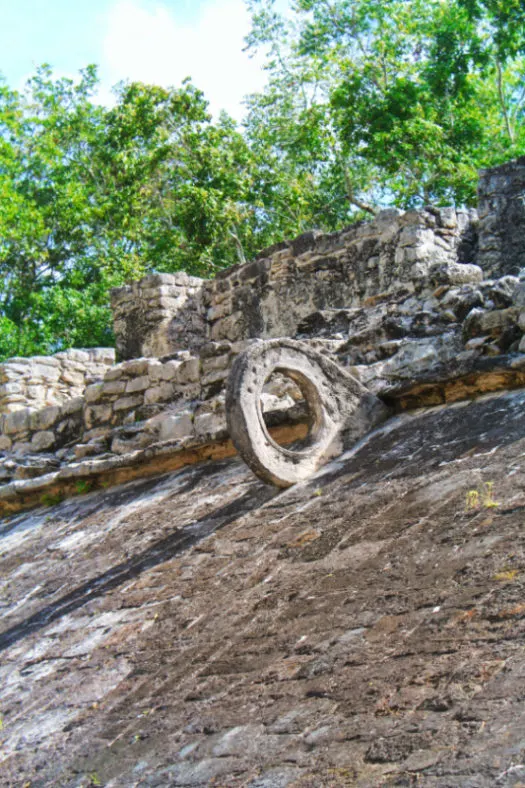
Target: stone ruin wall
157,315
402,301
41,398
50,380
501,208
270,296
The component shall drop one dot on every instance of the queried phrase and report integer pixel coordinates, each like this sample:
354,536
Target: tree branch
501,93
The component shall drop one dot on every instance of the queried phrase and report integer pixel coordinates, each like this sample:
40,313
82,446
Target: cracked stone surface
365,628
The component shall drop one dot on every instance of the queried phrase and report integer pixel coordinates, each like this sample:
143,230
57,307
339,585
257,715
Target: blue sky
159,41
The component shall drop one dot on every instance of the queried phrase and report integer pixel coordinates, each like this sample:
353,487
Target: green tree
45,209
92,198
386,103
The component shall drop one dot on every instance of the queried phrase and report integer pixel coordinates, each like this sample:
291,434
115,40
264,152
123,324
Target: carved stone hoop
339,407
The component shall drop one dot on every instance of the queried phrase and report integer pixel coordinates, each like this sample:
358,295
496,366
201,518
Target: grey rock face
501,195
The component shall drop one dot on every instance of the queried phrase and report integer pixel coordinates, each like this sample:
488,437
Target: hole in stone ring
287,399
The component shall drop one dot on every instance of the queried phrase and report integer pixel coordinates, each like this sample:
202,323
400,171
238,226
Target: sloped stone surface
363,629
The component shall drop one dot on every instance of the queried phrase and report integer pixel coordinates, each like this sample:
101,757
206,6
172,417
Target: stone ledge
83,477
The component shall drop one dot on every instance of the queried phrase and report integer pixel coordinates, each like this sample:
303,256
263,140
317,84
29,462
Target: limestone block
219,310
229,328
48,361
135,367
124,444
155,369
73,378
419,271
89,449
457,274
498,320
5,443
47,372
476,343
399,256
169,370
210,424
153,280
97,433
22,447
10,388
413,359
416,235
447,217
80,356
127,403
94,392
214,376
169,304
519,295
44,418
110,387
160,393
410,307
172,426
428,252
16,422
97,414
72,406
116,372
41,441
103,355
17,367
189,371
14,402
137,384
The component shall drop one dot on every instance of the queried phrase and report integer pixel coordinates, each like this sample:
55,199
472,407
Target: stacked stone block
501,199
40,381
396,252
135,391
27,431
271,295
158,315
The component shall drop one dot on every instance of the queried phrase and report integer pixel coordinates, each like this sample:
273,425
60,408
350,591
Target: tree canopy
368,104
391,103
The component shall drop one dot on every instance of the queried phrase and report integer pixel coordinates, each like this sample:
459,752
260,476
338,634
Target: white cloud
145,41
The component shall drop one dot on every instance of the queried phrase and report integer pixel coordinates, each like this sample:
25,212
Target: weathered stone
93,393
45,418
41,441
161,393
111,387
5,443
97,414
172,426
338,406
457,274
137,384
127,444
16,422
22,447
502,212
495,321
210,425
127,403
